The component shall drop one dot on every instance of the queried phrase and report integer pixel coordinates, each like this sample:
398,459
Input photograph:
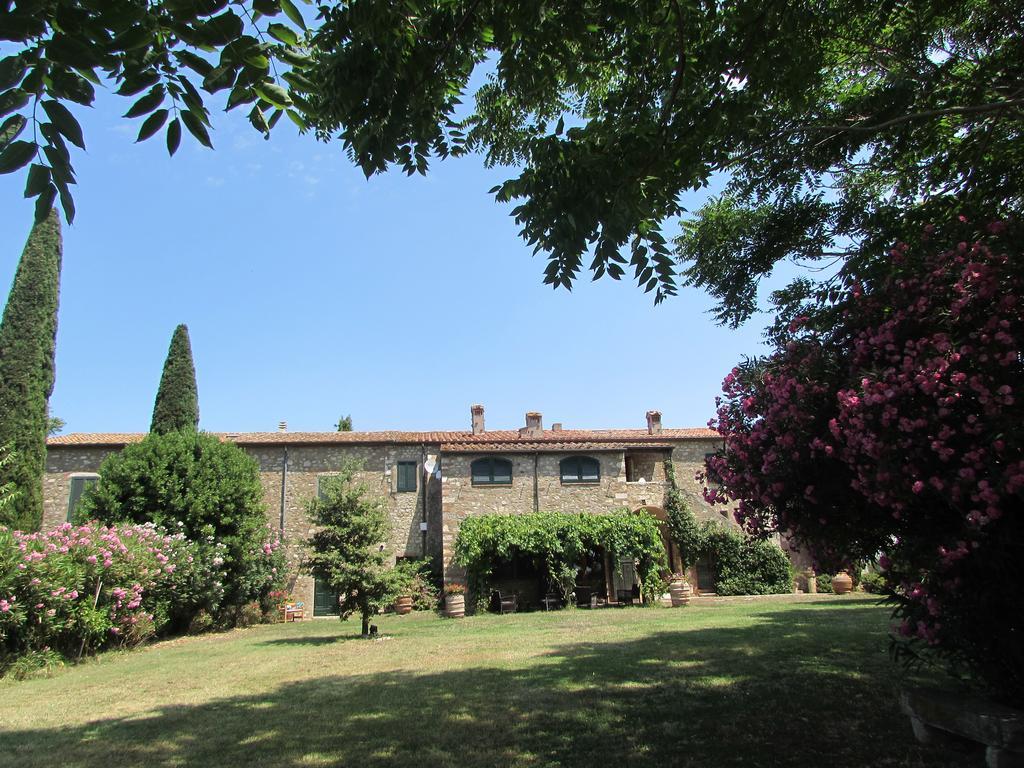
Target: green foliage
9,490
682,523
27,338
55,425
873,582
561,541
828,118
344,424
824,581
347,550
177,399
414,578
157,54
207,489
746,566
75,590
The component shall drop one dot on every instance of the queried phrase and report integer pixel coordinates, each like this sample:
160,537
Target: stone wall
61,466
541,473
450,494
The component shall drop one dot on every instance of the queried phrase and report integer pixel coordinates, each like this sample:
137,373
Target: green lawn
769,682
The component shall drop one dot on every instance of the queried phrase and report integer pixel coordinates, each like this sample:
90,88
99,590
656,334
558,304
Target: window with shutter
406,476
79,485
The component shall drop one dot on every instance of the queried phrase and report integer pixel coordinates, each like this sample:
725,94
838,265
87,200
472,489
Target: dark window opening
79,485
406,476
491,471
580,469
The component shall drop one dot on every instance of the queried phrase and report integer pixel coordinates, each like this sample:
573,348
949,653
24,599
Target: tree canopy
177,399
28,334
834,122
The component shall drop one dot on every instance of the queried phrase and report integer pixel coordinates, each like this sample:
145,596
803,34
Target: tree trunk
366,624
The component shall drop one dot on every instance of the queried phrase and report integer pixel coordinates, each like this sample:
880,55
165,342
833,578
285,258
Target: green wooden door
325,602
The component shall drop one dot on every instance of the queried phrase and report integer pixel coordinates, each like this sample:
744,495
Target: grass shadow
792,689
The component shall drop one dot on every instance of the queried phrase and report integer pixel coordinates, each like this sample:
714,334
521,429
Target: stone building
434,480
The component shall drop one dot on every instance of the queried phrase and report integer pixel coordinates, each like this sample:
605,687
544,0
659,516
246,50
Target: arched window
491,471
580,469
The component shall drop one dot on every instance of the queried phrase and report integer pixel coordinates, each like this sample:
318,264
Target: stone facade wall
450,495
61,466
462,499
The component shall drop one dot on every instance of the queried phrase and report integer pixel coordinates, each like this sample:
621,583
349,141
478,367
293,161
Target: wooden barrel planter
403,605
680,591
455,606
842,583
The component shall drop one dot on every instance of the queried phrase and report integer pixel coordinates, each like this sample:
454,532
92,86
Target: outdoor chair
507,602
551,601
624,596
293,612
583,597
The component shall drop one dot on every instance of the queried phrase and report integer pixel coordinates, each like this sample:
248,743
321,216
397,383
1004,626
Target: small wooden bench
293,612
507,602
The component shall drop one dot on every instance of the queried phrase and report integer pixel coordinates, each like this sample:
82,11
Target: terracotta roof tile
453,441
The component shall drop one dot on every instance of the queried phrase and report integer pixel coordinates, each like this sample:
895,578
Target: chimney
556,427
534,426
654,422
477,412
282,426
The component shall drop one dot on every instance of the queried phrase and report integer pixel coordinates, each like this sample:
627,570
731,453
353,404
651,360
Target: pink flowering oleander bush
889,427
79,589
206,488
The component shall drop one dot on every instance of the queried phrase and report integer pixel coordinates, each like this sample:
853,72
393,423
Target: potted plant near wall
405,577
679,590
455,601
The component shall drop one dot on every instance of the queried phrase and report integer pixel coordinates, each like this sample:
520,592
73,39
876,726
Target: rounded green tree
347,550
207,489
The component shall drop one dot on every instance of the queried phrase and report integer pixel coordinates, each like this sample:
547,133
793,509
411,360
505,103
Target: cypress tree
28,335
177,400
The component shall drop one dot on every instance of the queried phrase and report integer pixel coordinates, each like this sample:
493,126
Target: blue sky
311,292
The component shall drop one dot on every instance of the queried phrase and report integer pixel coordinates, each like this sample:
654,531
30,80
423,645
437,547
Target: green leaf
134,84
38,180
138,36
219,78
196,128
293,13
298,81
240,95
11,129
12,101
67,202
12,69
60,168
267,7
294,58
173,136
282,33
44,203
147,103
196,63
275,94
296,118
152,124
222,29
65,122
17,155
259,122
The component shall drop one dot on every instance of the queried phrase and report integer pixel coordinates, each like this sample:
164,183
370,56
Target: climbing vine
745,565
561,541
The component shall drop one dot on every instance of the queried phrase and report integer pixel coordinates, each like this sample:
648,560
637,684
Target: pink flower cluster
892,429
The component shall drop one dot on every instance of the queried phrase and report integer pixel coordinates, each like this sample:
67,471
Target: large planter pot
403,605
680,591
455,606
842,583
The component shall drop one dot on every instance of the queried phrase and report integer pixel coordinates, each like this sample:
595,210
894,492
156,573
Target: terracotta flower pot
455,606
403,605
680,591
842,583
